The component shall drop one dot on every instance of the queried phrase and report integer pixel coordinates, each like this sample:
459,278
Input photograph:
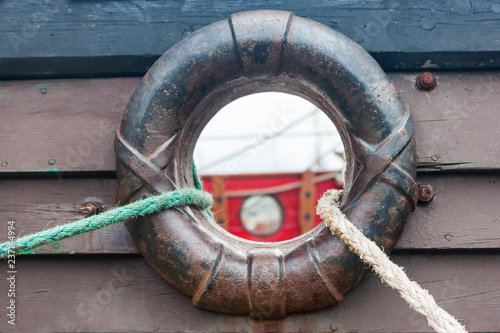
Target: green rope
198,186
143,207
196,179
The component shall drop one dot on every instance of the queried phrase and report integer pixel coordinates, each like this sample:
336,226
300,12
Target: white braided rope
391,274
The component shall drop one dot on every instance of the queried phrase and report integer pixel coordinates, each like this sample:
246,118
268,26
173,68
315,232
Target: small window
261,215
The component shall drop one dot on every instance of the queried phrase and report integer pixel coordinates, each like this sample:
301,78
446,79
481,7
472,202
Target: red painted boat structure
297,193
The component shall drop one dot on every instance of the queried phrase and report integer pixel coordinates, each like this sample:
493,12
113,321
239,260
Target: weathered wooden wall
123,294
50,173
56,153
463,216
69,125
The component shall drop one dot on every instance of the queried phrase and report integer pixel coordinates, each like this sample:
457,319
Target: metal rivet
91,208
435,157
425,192
43,91
4,164
426,81
52,161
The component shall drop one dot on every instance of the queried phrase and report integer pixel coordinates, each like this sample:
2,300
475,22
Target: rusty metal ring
252,52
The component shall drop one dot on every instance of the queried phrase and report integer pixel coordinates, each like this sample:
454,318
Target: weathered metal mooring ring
252,52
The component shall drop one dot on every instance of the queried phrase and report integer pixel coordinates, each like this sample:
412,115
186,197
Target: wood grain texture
123,294
456,124
125,37
464,214
38,204
71,123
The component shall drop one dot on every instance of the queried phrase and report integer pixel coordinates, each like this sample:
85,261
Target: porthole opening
267,158
261,215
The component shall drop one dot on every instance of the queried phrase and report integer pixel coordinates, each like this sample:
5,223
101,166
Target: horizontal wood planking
123,294
44,203
456,124
124,38
61,125
68,125
464,214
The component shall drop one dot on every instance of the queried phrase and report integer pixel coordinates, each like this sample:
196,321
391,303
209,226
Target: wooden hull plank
123,294
463,215
69,125
124,38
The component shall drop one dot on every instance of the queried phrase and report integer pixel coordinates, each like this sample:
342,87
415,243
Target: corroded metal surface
426,81
425,192
248,53
91,208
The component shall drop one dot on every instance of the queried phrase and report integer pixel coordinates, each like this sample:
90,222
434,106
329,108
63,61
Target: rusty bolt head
90,208
426,81
425,193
